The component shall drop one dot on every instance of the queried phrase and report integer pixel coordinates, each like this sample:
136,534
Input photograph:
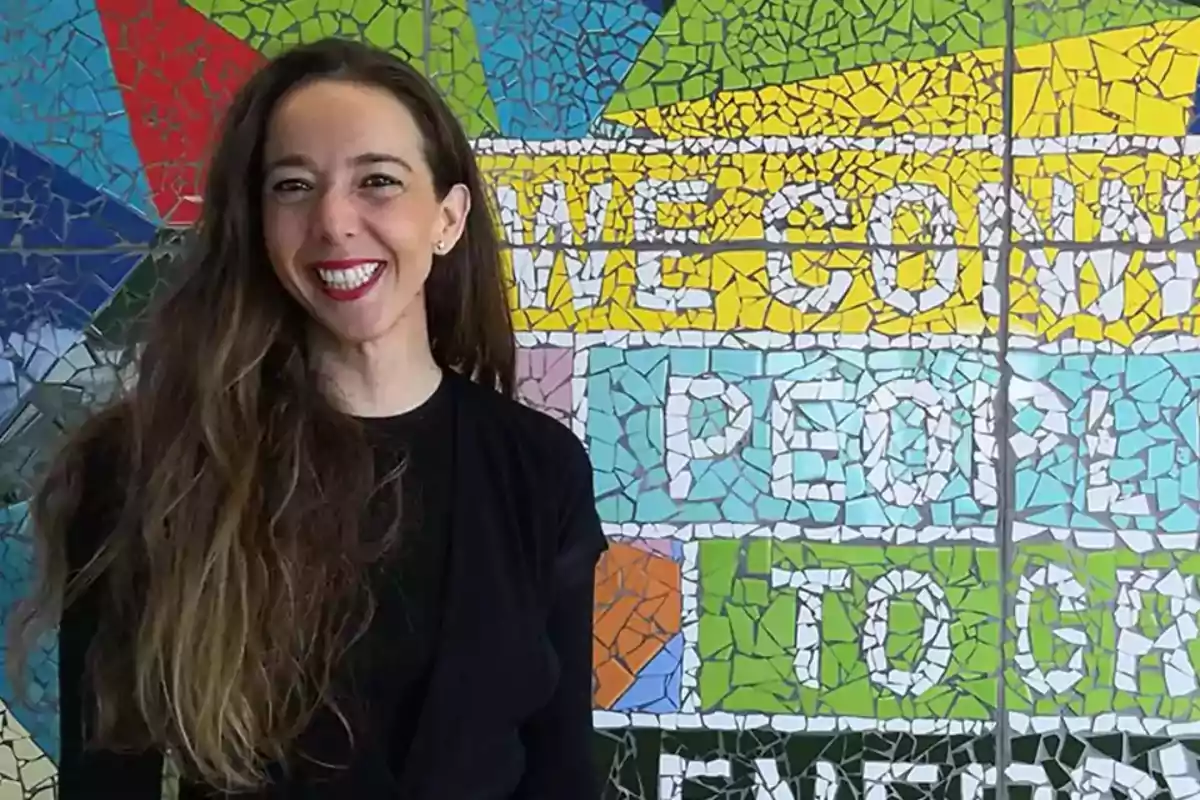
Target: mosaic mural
879,319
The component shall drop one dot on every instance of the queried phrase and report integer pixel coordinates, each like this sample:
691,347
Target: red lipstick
342,279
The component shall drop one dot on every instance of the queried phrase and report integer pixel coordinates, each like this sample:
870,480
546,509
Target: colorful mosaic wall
879,320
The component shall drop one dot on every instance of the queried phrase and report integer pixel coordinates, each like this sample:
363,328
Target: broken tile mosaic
639,645
818,436
544,380
888,361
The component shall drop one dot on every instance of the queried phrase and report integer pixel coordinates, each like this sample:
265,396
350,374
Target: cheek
283,233
404,226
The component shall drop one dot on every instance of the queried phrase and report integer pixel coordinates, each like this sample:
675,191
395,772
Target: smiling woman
348,205
319,549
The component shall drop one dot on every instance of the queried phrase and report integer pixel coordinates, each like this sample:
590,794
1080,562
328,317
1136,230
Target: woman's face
350,214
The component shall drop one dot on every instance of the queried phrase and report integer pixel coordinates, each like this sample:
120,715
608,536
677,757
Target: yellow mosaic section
1119,203
26,773
720,248
1136,80
866,241
1132,81
941,96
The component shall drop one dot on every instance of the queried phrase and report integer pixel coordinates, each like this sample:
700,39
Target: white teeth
349,278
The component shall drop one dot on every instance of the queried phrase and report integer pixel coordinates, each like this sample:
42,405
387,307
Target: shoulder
526,432
537,456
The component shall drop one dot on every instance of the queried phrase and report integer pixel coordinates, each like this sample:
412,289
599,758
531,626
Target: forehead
337,118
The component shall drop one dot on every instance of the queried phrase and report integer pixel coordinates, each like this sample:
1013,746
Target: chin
359,335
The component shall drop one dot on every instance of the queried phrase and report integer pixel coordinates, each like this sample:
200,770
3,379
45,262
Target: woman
319,551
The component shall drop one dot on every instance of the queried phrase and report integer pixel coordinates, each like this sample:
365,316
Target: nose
334,216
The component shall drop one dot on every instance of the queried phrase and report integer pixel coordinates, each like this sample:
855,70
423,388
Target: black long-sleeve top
474,679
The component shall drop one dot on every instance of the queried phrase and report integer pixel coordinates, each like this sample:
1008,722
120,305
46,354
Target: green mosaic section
748,630
1080,610
450,56
1090,633
705,46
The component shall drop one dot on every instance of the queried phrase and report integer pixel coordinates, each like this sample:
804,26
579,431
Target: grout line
1005,475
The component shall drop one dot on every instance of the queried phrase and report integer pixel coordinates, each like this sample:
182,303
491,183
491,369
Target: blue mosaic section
44,206
584,49
62,290
27,357
822,436
40,715
657,687
59,96
1107,442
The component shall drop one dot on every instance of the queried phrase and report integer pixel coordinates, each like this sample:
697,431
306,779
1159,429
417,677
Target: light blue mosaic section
656,689
40,715
584,50
1107,442
822,436
59,96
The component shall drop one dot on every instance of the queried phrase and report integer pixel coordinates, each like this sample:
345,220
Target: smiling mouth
349,279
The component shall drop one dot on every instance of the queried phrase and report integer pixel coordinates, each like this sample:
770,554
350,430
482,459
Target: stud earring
440,247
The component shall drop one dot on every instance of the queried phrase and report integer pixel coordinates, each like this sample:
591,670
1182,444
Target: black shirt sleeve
86,773
558,739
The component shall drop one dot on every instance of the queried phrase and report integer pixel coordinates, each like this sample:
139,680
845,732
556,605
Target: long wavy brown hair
234,577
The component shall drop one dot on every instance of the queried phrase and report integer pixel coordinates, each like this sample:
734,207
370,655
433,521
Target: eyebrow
357,161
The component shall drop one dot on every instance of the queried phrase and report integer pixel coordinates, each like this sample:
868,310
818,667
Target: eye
290,186
380,181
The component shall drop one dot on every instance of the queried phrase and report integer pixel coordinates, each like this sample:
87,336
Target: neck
379,378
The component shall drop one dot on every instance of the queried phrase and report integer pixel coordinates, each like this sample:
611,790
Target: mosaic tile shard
59,96
62,290
449,54
584,48
1137,80
947,96
177,74
658,685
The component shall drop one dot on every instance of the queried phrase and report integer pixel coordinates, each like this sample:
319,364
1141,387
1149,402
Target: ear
452,218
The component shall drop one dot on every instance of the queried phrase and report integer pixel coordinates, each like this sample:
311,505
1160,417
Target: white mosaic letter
1098,776
877,776
787,440
650,292
935,632
780,272
810,585
1071,599
885,261
1103,492
533,259
1132,645
682,447
976,778
1176,276
673,770
942,434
